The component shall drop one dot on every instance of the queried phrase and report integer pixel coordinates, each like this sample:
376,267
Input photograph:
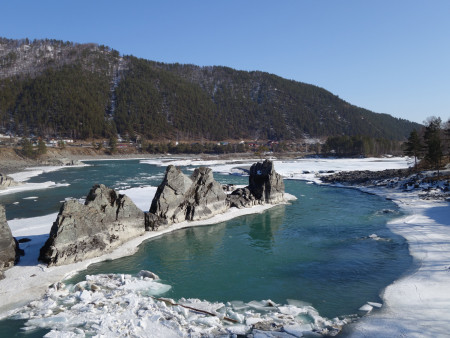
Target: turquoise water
316,249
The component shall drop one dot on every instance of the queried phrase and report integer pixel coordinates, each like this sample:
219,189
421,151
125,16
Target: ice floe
121,304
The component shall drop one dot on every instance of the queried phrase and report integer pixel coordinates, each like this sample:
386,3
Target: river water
330,247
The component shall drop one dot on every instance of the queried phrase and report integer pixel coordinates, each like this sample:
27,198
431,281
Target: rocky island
108,219
82,231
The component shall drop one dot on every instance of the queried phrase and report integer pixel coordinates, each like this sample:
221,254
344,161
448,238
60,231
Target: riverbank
417,304
11,161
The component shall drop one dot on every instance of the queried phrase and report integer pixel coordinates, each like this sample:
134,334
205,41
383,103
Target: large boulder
6,182
102,223
265,186
9,247
179,197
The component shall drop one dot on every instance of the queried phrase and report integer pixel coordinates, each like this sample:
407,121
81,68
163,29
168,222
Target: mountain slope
50,87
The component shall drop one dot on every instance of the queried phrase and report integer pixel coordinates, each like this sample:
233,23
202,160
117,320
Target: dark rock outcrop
364,177
9,248
179,197
265,183
6,182
104,222
265,186
242,198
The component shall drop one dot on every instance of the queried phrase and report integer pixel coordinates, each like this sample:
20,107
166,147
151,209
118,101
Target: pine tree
414,147
27,148
432,138
42,148
447,136
112,144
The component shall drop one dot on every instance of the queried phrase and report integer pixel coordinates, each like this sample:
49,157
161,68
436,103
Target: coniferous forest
62,89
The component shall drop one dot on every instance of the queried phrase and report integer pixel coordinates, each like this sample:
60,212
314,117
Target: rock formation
205,198
9,248
170,195
6,182
265,183
179,197
107,219
104,222
265,186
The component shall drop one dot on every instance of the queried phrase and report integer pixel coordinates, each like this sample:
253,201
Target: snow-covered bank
417,304
24,176
33,172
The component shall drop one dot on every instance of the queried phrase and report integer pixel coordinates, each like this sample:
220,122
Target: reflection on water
263,228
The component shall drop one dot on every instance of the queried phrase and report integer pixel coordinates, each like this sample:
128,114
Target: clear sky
389,56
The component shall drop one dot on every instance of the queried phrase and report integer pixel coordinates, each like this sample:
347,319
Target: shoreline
12,162
414,305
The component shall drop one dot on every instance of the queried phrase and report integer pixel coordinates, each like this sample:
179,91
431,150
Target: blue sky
389,56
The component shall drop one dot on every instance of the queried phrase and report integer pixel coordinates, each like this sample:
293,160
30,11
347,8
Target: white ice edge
417,304
24,176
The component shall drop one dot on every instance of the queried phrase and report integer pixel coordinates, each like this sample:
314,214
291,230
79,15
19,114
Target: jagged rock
242,198
265,183
228,187
205,198
9,248
104,222
179,197
170,195
6,182
265,186
153,222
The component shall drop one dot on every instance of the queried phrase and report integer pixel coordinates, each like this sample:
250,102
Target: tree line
350,146
430,143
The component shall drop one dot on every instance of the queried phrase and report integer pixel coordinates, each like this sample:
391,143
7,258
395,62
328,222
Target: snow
32,186
33,172
87,308
416,305
141,196
24,176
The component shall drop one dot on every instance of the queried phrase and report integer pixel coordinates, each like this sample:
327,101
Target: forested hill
57,88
